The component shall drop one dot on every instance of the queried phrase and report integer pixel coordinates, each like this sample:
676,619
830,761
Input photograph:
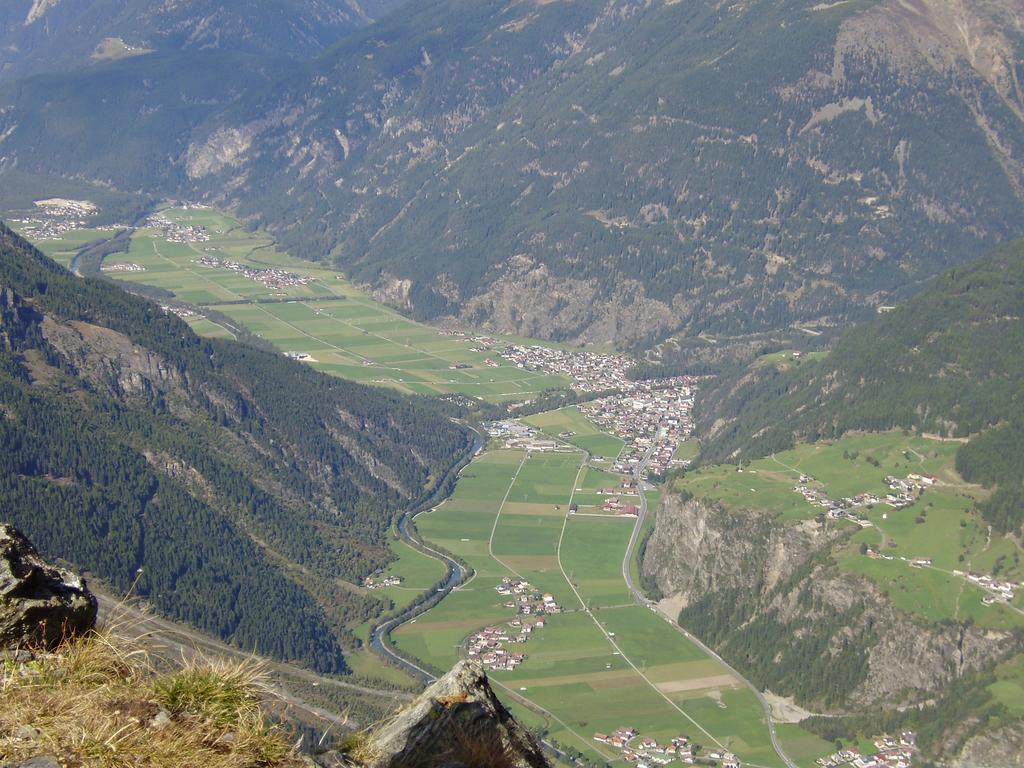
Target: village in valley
55,217
645,751
652,417
891,752
531,607
176,232
277,279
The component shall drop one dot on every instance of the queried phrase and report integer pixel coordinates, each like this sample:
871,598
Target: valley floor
603,662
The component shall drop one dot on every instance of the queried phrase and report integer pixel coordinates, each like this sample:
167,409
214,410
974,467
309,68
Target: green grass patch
586,434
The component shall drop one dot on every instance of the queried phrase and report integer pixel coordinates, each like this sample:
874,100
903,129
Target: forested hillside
245,492
949,361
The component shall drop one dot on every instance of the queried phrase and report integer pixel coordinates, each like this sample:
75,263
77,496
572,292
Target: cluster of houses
58,216
379,582
181,312
646,752
525,599
891,752
270,277
1000,590
123,267
652,417
903,492
524,437
488,645
589,371
613,505
652,420
834,509
175,232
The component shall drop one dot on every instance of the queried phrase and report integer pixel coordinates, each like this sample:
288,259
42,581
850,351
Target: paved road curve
639,596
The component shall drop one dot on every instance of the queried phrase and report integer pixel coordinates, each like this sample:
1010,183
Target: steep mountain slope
603,169
948,361
48,35
615,170
245,493
155,102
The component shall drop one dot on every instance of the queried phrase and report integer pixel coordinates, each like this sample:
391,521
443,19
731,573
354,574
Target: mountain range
584,170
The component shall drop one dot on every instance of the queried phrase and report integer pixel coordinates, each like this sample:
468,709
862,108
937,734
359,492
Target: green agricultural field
418,572
688,449
502,519
592,553
594,480
785,359
1009,686
841,468
63,250
344,331
586,434
206,327
940,525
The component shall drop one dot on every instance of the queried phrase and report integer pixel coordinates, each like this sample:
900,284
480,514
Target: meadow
63,249
343,331
941,525
587,435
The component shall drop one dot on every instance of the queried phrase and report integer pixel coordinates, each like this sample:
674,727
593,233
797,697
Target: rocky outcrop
110,359
457,722
768,591
1000,748
39,604
698,547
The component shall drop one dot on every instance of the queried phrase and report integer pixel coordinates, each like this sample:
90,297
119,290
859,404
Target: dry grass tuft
96,701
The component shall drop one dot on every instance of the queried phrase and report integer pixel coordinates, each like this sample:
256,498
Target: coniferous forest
226,474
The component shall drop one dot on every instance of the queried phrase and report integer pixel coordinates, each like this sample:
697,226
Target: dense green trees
237,480
949,361
787,657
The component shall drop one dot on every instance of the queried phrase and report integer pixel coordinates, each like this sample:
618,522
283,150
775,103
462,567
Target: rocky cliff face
457,722
765,593
1001,748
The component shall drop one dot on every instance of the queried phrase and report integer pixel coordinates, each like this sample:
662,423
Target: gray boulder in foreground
457,722
39,603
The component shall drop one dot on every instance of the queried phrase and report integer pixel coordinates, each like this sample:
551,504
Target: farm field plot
587,435
312,310
502,519
63,250
417,571
592,552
